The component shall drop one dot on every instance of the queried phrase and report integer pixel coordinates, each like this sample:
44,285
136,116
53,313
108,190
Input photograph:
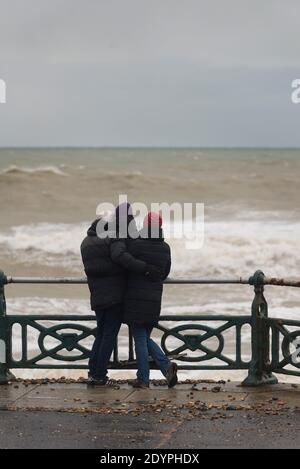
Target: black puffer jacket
106,280
142,302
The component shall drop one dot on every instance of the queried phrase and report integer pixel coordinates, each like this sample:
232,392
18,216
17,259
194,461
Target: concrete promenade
66,414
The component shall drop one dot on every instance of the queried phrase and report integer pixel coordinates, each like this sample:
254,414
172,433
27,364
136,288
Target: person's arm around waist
120,255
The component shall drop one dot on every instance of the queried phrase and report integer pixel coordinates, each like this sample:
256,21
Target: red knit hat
152,219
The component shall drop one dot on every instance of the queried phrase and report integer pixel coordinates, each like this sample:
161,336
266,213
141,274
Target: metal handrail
83,280
276,281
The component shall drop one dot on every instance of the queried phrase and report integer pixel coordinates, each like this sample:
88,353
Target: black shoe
140,384
104,383
171,376
96,382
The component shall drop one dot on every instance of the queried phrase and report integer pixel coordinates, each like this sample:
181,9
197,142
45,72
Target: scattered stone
216,389
231,407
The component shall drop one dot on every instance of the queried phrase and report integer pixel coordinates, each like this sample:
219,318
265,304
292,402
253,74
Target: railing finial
257,278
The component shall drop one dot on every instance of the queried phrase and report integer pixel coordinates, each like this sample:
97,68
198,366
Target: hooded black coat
142,303
106,279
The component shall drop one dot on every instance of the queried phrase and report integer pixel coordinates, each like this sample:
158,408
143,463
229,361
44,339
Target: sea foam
235,248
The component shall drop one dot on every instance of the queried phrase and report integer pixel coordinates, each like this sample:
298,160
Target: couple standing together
125,271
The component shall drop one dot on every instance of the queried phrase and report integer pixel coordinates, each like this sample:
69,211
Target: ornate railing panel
197,341
284,343
68,331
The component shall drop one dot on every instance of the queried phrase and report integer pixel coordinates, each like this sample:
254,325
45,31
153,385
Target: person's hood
106,217
92,231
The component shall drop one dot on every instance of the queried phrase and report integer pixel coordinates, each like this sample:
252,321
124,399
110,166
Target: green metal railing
193,353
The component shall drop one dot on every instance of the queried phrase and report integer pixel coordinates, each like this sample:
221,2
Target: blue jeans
145,346
109,321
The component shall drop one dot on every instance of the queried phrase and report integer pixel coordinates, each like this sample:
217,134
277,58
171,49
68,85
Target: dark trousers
145,346
109,321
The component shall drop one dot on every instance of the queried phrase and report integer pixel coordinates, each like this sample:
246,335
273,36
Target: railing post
4,372
3,378
260,341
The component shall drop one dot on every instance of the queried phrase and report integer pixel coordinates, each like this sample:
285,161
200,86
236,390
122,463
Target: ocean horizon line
147,147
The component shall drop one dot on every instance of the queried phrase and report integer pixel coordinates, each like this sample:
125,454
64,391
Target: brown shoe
140,384
171,375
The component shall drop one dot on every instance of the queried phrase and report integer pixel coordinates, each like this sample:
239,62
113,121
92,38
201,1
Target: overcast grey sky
149,72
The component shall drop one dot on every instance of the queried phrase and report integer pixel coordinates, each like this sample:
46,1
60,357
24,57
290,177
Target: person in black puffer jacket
142,303
106,280
107,285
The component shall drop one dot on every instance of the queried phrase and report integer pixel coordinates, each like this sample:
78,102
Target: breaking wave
19,170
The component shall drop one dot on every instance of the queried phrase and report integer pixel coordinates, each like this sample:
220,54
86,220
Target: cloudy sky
149,72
